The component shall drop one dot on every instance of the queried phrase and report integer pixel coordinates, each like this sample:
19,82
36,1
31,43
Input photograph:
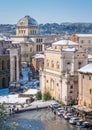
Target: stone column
12,69
14,64
17,69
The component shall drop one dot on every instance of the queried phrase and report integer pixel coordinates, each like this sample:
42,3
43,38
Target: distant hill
66,28
7,29
52,28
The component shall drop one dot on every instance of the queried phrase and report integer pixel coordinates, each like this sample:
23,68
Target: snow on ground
31,91
14,98
7,97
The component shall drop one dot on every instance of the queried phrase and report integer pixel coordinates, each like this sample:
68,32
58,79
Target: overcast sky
51,11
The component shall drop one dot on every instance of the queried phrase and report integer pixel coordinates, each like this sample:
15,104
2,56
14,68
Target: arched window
31,49
47,63
41,40
40,47
79,65
68,66
52,84
57,65
37,48
36,40
52,64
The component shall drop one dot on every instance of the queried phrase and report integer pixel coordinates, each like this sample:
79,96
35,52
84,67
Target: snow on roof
89,56
69,49
4,38
86,69
38,56
14,42
84,35
31,91
65,42
49,48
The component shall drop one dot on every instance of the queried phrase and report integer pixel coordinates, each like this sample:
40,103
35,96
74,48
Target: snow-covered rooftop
86,69
84,35
89,56
37,56
4,38
14,42
31,91
69,49
65,43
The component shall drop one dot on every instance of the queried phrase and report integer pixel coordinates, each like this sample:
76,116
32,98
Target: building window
82,41
47,63
3,65
52,64
57,84
41,40
36,40
83,76
68,66
90,91
89,41
8,64
89,77
3,83
79,65
30,49
40,47
71,92
52,84
47,81
55,47
71,86
58,65
37,48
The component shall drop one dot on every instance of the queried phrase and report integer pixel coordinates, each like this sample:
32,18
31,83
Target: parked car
74,120
86,124
79,122
55,105
60,112
68,116
60,108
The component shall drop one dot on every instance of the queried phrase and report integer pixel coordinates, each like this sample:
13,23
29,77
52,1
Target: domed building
29,39
26,26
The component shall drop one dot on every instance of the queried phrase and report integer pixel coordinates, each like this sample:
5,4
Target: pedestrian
48,107
37,107
13,111
10,111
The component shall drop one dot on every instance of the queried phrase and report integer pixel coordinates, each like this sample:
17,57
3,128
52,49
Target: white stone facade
59,75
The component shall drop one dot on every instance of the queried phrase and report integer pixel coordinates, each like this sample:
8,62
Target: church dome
27,21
